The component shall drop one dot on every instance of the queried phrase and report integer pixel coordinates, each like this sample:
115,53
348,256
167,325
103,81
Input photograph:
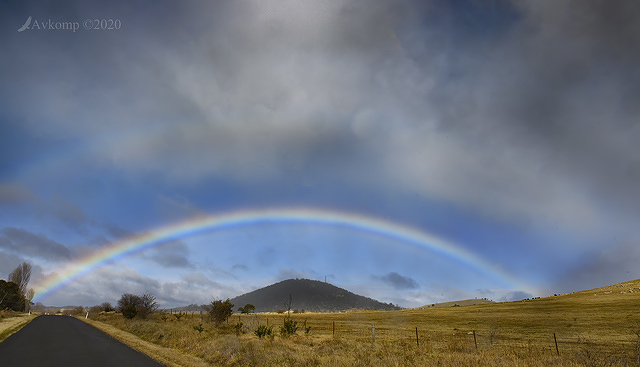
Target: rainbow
203,224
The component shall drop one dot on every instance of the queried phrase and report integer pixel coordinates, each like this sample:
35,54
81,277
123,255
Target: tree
27,299
148,305
21,276
107,307
248,308
220,311
10,297
128,305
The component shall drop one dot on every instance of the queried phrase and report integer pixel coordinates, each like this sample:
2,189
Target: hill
308,295
466,302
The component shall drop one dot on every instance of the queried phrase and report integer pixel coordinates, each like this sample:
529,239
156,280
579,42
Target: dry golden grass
10,322
166,356
592,328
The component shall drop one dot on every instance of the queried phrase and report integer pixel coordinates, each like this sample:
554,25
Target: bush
198,328
263,330
220,311
127,300
238,328
95,310
289,328
129,312
134,305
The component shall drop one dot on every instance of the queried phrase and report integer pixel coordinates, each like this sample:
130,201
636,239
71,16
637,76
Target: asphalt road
64,341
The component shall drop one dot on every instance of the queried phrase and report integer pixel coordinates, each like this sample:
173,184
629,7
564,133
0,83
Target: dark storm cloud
516,106
399,282
555,94
26,243
601,267
57,209
522,111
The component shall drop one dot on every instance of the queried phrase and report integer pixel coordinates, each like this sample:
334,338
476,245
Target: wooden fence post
417,341
475,342
556,341
373,332
334,328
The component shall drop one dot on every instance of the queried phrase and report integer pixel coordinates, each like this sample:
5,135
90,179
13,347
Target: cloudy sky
507,128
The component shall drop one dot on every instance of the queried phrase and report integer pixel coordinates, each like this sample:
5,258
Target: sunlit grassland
11,321
595,327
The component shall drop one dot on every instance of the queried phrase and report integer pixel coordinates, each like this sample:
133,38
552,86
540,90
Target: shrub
128,300
198,328
289,328
144,306
237,328
220,311
129,312
95,310
263,330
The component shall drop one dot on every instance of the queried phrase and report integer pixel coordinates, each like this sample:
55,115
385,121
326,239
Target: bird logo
25,25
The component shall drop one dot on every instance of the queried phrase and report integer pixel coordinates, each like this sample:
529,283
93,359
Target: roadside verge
10,325
167,356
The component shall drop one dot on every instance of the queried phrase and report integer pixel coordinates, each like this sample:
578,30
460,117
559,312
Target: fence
418,335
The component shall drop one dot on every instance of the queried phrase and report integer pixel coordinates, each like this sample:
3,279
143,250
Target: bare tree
21,276
28,298
148,305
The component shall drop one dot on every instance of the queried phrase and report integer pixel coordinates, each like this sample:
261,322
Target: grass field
599,327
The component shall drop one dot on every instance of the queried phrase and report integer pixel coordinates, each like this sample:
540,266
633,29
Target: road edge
8,332
167,356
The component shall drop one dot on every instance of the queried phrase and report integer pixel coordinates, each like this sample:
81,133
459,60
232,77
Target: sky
461,148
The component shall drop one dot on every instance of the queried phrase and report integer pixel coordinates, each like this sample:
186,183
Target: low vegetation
599,327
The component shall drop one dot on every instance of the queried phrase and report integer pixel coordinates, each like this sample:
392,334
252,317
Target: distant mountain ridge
308,295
